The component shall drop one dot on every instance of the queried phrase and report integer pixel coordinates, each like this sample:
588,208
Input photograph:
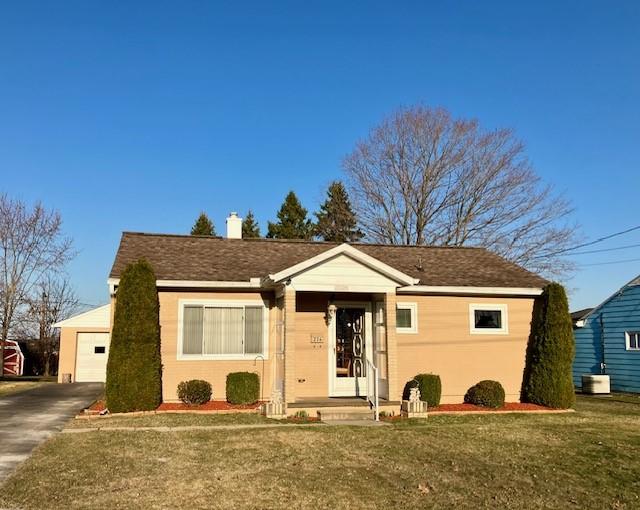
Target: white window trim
504,330
627,341
414,317
220,303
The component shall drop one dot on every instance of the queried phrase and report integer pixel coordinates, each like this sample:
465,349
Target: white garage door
91,360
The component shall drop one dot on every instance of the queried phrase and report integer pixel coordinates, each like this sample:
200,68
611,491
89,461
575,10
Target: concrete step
346,414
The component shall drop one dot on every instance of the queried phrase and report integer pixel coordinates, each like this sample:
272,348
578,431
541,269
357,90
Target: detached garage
84,346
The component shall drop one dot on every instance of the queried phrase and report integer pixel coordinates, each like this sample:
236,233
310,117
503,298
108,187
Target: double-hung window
222,330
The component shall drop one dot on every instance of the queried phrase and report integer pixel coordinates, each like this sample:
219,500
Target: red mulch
97,406
213,405
508,406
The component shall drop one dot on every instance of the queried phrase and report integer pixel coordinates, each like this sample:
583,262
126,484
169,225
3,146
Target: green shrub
547,378
134,370
243,388
430,388
194,392
486,394
301,414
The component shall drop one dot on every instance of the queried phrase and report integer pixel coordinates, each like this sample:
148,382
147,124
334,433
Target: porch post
289,345
392,347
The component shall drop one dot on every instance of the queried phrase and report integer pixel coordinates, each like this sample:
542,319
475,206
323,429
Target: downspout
603,365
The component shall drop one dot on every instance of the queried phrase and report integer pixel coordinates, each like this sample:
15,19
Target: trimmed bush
243,388
430,388
194,392
486,394
547,378
134,370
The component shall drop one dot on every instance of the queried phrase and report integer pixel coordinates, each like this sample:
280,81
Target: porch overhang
347,250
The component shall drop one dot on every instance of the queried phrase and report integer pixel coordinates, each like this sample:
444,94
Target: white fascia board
471,291
254,283
355,254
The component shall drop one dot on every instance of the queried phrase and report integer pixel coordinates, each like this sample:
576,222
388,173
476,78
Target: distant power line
610,262
606,249
589,243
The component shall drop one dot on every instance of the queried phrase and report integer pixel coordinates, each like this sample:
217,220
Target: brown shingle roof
184,257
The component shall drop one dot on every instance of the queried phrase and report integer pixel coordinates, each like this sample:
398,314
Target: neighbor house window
488,319
633,340
407,317
223,330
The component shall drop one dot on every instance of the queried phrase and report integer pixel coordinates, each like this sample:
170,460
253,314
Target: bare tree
54,300
31,246
424,177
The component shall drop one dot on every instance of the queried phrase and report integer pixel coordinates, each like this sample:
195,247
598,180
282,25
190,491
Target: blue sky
138,115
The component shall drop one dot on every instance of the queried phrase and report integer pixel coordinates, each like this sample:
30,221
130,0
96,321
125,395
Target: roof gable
337,260
99,317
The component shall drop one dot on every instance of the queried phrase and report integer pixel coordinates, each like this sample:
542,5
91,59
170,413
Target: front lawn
587,459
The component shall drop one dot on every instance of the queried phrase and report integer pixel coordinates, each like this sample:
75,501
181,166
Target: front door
351,341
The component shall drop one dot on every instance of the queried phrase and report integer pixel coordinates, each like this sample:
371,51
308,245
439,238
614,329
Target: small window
99,349
633,340
488,319
407,317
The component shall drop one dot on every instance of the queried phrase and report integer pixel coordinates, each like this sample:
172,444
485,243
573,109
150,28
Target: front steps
346,414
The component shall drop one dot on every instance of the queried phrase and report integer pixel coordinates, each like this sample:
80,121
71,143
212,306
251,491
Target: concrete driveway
30,417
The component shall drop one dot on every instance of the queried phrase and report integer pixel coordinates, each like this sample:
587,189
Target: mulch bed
508,406
213,405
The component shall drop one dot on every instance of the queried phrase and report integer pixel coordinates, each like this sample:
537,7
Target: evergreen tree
547,376
134,371
292,221
203,226
336,220
250,228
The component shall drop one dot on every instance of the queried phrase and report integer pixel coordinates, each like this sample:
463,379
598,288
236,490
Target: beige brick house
323,320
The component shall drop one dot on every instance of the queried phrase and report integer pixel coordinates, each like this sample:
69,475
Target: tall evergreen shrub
134,371
547,376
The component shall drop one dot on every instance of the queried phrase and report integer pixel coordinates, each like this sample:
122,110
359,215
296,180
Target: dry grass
587,459
10,387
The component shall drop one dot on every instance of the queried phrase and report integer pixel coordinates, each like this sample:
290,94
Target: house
608,340
317,320
577,317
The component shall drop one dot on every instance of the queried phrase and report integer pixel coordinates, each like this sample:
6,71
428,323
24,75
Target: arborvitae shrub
430,388
485,393
547,376
243,388
194,392
134,370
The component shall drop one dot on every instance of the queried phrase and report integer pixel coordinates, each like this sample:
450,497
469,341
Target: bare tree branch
424,177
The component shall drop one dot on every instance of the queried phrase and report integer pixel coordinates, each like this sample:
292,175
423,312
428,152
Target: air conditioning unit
596,384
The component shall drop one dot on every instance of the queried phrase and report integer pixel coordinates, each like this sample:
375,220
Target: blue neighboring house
608,339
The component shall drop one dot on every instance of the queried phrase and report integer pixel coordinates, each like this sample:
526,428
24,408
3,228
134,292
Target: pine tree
292,221
250,228
547,376
134,371
336,219
203,226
